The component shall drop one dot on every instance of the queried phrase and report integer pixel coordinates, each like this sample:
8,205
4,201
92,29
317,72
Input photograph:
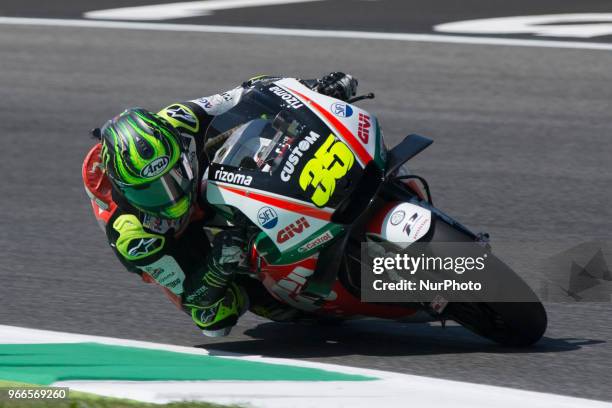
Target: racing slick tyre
510,324
520,323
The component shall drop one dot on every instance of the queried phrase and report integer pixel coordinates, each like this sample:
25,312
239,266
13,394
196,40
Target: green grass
85,400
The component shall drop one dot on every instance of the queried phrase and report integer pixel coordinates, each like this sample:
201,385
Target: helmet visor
168,196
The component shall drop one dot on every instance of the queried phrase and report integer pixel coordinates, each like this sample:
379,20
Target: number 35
330,163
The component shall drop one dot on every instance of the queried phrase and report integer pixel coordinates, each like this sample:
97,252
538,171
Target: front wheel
511,324
507,323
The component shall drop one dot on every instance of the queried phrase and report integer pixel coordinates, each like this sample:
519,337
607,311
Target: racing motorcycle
311,178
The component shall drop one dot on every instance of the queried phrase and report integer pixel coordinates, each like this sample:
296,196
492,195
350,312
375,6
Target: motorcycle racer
145,182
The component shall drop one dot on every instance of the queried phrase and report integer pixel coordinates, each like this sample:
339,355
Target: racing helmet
148,163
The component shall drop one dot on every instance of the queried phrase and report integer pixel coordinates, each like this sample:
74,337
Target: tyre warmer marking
284,204
362,153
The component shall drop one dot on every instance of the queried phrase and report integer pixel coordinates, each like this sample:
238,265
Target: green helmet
147,161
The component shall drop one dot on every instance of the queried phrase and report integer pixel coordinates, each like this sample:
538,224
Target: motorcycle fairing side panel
287,155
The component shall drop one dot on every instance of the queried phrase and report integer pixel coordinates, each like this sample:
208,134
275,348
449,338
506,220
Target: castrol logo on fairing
321,239
296,154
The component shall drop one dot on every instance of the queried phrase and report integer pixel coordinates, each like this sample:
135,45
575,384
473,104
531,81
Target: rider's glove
229,252
338,85
219,318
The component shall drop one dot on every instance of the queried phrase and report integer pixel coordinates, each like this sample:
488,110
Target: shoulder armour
134,242
181,117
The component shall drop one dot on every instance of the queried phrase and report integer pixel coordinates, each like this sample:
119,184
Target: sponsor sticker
397,217
267,217
405,223
363,128
143,246
227,96
296,154
182,114
156,167
342,110
234,178
321,239
415,224
289,99
204,103
220,103
208,315
167,272
291,230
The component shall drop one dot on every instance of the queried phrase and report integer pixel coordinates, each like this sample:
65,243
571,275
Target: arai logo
267,217
155,167
342,110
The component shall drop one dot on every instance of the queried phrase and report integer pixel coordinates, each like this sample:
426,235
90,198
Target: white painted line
363,35
186,9
392,390
399,392
550,25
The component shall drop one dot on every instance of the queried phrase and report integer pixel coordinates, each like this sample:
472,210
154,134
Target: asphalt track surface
362,15
522,150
